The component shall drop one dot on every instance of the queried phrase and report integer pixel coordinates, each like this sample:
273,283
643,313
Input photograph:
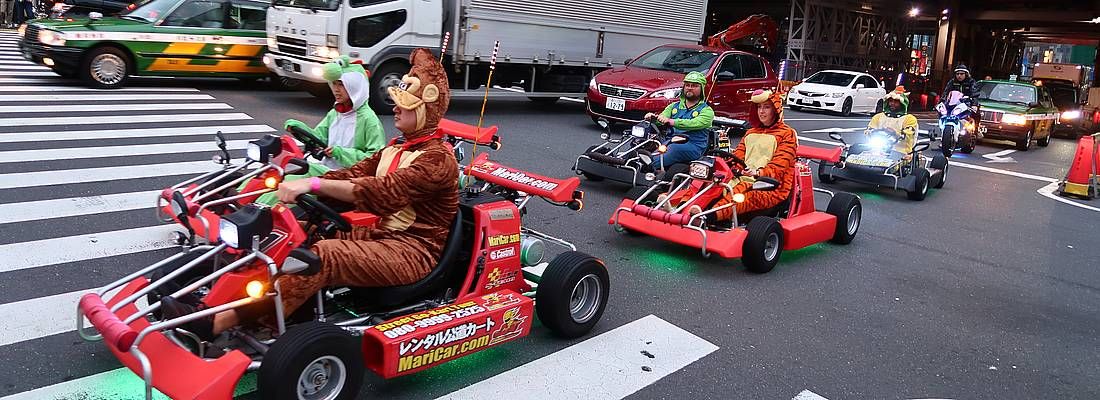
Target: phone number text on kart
411,323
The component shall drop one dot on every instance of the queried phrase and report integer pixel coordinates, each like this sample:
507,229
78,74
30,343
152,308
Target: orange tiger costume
769,149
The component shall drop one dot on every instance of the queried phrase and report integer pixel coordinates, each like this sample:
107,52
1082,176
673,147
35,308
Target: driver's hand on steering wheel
327,151
664,120
750,172
289,191
650,116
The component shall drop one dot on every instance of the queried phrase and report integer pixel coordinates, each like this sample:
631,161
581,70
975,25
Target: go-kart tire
177,283
763,246
849,214
569,275
671,172
947,141
822,176
923,184
305,351
940,163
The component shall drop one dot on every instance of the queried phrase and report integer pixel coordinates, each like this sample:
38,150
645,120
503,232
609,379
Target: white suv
843,92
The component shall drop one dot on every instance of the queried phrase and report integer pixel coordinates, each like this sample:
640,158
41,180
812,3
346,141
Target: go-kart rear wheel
572,294
314,360
822,175
922,178
941,164
763,246
849,213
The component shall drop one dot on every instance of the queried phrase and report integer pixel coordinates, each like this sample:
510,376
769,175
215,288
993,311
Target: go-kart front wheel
849,213
314,360
923,182
763,246
572,294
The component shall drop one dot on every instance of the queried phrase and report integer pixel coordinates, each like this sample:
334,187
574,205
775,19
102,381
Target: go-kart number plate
616,104
870,160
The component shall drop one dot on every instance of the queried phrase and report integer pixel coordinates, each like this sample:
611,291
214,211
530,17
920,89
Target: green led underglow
664,260
794,256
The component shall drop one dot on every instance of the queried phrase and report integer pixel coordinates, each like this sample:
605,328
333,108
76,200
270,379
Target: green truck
187,38
1016,111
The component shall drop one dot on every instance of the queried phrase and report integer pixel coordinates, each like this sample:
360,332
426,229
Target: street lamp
914,11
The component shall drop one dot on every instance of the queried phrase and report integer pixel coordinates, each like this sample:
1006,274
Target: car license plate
616,104
870,160
983,129
288,66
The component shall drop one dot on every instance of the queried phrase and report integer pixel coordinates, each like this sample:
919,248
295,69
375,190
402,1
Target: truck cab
302,35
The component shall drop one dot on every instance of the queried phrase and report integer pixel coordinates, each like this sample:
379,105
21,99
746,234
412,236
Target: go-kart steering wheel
314,145
727,155
313,206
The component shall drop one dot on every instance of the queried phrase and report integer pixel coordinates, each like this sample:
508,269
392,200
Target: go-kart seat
437,279
778,211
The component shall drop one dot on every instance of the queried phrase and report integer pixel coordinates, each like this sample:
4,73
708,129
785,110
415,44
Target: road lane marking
76,206
74,153
100,97
86,175
131,133
611,365
70,108
121,119
39,253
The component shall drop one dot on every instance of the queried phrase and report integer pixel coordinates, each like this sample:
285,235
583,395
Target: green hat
696,77
332,71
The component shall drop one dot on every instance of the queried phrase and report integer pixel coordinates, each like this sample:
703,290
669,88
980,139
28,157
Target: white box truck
549,48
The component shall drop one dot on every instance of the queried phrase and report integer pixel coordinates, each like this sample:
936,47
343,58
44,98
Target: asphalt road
986,289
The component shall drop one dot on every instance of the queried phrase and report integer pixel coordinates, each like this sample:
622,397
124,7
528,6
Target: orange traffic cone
1081,180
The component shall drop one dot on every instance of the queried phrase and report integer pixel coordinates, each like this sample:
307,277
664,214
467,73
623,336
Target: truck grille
293,46
626,93
992,116
32,33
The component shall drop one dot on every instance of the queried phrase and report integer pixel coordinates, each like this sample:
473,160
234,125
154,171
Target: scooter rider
690,120
895,116
962,83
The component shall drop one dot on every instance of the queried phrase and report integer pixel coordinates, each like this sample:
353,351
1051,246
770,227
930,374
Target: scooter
957,130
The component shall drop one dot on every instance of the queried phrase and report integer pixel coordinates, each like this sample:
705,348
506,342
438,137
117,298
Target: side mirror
95,16
296,166
726,76
764,183
628,61
836,136
302,261
861,86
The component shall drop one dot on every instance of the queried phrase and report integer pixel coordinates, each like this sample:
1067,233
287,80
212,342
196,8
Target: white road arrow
999,157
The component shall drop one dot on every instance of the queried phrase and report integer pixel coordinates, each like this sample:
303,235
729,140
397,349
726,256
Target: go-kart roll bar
189,288
238,181
111,286
171,275
204,206
224,172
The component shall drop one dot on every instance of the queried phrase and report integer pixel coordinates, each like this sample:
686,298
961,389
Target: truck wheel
284,83
105,68
763,246
849,213
314,360
940,163
1025,143
572,294
822,176
387,75
921,191
947,141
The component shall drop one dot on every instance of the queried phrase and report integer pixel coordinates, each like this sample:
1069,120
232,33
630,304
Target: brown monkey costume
413,186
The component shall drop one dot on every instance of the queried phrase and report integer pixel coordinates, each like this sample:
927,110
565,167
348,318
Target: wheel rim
847,109
387,81
771,246
108,68
585,299
924,187
322,379
853,220
943,176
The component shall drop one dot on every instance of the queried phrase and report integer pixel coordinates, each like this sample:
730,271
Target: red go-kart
482,293
757,237
198,203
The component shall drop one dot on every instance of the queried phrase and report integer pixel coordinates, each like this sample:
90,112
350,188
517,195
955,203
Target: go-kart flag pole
484,100
443,50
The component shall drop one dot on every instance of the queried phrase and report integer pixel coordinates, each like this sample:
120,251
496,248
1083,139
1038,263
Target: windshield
1007,93
1064,96
677,60
151,11
831,78
328,5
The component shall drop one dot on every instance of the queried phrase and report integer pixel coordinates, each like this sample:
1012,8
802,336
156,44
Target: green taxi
192,38
1016,111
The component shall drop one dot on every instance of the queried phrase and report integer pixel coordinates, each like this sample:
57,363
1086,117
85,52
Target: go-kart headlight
51,38
239,228
879,143
701,169
262,149
22,30
1072,114
666,94
637,131
1014,119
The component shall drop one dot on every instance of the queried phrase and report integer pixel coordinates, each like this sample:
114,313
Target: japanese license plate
616,104
982,129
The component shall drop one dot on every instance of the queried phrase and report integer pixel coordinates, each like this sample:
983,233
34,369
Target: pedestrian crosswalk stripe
120,119
74,153
26,88
40,253
47,318
97,134
112,107
30,73
101,97
102,174
76,206
5,67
